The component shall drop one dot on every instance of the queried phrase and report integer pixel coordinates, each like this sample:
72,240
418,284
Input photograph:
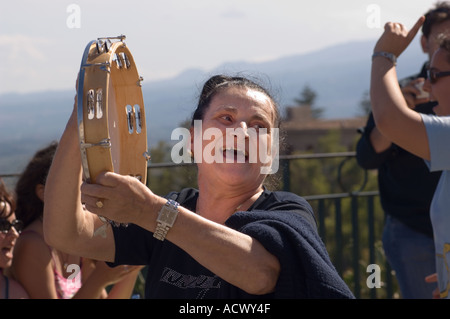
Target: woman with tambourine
231,238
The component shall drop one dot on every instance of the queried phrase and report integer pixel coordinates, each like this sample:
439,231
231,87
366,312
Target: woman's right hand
396,37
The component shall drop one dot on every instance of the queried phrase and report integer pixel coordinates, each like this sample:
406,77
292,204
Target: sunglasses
5,225
434,75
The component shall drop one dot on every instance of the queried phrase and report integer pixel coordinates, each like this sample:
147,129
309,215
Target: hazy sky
42,42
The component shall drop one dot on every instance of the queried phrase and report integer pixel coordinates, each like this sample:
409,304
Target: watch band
166,218
387,55
160,232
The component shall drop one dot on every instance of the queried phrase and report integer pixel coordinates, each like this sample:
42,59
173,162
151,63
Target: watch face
165,214
168,214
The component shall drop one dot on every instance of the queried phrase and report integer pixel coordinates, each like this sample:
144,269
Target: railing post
371,226
389,281
286,175
355,237
338,229
321,212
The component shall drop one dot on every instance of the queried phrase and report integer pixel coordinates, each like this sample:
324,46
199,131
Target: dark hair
8,197
217,83
437,15
29,205
445,45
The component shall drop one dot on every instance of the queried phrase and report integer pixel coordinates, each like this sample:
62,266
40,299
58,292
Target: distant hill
339,74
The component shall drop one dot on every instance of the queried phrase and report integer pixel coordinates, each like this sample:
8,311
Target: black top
405,183
282,222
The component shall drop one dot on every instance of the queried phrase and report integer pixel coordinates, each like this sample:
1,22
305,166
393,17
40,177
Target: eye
260,125
226,118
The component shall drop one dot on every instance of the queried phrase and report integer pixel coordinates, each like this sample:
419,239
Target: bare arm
125,287
97,276
67,225
395,120
379,142
33,268
234,256
410,92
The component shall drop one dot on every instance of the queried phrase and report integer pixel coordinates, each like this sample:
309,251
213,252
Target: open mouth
233,155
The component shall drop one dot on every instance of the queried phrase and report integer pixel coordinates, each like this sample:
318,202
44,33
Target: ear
40,191
424,44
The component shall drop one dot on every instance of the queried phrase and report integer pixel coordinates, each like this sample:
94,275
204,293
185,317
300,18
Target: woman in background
48,273
426,136
10,229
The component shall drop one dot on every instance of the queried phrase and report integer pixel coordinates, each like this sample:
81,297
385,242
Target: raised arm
394,119
67,225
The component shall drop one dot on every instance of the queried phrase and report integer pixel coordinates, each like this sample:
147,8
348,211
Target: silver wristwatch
390,56
166,218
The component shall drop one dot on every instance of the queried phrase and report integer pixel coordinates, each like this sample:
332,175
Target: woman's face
237,131
8,239
439,91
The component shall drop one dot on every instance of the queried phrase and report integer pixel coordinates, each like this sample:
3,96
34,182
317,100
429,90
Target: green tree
365,106
308,97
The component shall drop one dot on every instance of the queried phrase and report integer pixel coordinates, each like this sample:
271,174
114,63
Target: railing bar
341,195
318,155
281,157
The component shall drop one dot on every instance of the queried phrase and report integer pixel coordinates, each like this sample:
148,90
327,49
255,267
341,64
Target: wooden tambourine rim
99,70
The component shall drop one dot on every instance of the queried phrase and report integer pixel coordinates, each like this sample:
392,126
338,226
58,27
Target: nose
244,127
13,232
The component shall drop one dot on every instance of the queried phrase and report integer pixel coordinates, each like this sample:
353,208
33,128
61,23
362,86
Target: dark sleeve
366,155
133,245
306,270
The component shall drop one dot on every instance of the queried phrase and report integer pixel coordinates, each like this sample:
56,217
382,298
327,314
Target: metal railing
362,206
350,253
350,224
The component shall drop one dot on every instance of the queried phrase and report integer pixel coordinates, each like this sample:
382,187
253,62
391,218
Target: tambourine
111,116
